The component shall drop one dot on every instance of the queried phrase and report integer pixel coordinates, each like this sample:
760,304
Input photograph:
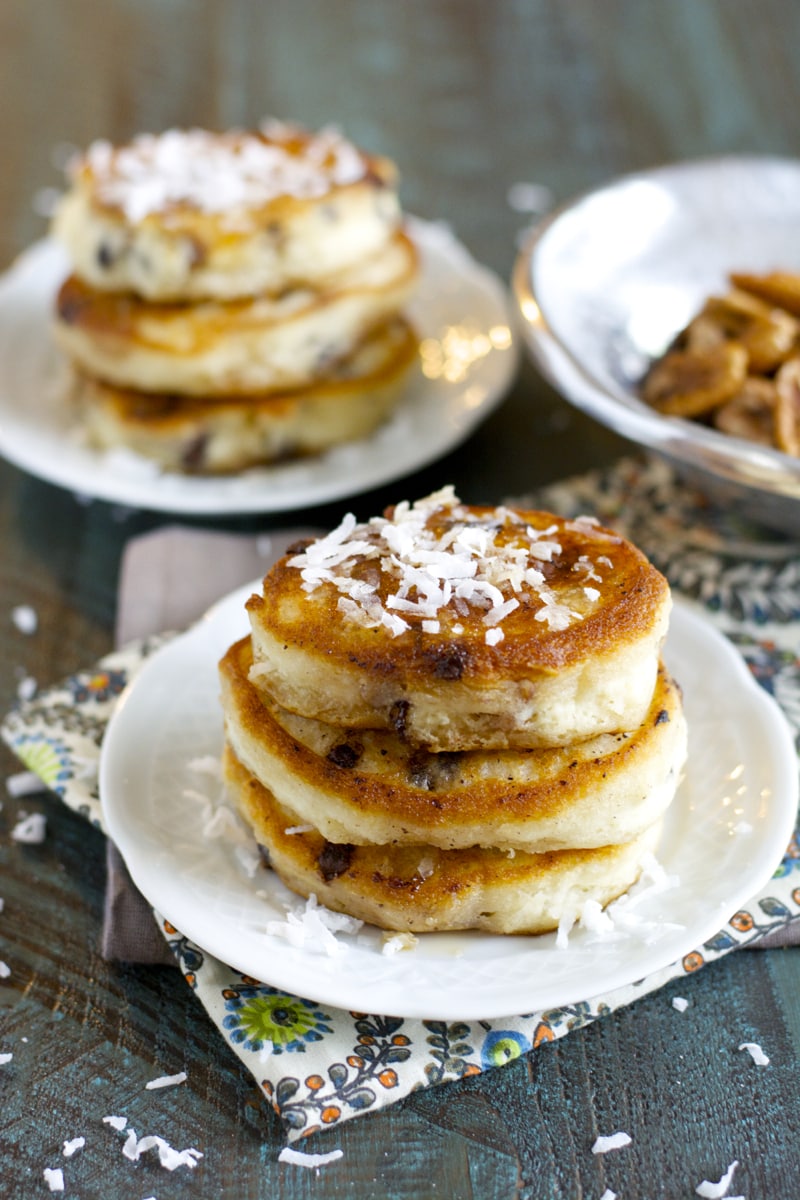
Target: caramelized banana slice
779,287
685,383
750,414
787,408
768,334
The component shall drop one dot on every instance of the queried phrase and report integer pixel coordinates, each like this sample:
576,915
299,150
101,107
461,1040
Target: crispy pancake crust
575,655
367,786
422,889
295,207
197,436
242,347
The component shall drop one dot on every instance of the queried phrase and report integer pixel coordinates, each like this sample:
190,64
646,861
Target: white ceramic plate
461,313
605,283
742,769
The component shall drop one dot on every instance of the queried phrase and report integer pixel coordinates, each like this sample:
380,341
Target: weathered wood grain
469,97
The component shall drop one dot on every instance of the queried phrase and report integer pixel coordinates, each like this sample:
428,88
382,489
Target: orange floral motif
543,1033
330,1114
742,921
693,961
388,1078
314,1082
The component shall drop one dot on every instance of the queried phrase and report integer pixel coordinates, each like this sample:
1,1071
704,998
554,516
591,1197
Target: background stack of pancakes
236,298
456,717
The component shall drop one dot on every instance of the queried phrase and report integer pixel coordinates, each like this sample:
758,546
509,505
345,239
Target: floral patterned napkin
320,1066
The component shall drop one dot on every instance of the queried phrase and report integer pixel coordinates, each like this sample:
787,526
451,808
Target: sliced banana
688,383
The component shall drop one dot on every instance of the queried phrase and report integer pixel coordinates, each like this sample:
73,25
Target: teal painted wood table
470,99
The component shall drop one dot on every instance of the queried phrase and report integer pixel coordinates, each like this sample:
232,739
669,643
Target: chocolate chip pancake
373,786
198,436
215,349
463,627
195,215
421,889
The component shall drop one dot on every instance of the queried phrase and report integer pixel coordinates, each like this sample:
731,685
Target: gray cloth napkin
168,579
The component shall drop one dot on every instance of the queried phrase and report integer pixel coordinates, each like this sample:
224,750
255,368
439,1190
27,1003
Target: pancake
372,786
420,889
219,349
464,627
195,215
197,436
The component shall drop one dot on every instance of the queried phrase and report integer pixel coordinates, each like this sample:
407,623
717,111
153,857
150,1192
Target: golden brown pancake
243,347
198,436
373,786
463,627
194,215
419,889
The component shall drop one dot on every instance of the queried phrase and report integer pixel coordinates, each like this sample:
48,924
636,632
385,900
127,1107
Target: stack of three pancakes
455,717
235,298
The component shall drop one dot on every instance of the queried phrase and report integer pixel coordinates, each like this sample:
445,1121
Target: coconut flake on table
25,619
756,1053
117,1123
6,1057
54,1178
611,1141
165,1081
26,688
300,1158
5,970
24,783
715,1191
73,1146
169,1158
680,1003
30,829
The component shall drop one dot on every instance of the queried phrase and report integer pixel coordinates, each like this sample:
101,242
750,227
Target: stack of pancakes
235,298
456,717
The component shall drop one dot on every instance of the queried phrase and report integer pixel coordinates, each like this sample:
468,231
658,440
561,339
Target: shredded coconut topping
219,173
438,556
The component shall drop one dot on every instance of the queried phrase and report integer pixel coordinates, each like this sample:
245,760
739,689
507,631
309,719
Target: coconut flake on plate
311,924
